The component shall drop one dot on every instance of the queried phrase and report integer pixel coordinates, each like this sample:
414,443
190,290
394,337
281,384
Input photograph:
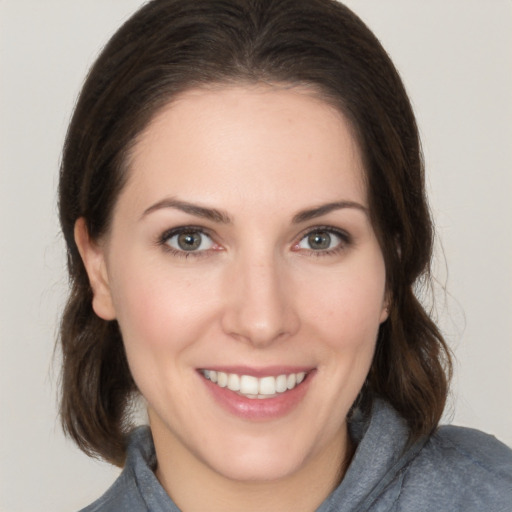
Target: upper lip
267,371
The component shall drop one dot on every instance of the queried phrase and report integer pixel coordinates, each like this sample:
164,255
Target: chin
263,456
259,466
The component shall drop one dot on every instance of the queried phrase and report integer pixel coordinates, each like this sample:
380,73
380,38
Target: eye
323,240
188,240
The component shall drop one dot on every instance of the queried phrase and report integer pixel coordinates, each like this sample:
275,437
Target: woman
243,202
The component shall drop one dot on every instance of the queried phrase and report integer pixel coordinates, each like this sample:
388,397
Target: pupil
319,240
189,241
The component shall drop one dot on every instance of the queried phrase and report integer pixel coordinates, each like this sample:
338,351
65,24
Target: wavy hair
170,46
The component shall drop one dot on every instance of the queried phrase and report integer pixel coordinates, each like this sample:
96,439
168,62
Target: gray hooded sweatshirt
455,469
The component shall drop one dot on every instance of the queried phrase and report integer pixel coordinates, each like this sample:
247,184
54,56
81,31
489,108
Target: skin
256,293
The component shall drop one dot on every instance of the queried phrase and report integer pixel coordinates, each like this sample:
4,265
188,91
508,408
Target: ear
386,304
93,257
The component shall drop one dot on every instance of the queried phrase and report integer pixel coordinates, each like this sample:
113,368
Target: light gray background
455,58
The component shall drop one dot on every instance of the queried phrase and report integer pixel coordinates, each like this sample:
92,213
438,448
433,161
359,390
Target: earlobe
93,258
384,314
386,306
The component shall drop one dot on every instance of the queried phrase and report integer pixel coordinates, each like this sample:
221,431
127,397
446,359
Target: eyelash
164,238
163,241
344,237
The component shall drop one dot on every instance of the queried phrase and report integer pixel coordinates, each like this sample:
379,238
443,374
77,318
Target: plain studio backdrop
455,57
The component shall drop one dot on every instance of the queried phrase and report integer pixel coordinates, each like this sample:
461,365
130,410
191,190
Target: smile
254,387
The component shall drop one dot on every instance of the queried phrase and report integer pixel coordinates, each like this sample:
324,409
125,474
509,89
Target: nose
260,304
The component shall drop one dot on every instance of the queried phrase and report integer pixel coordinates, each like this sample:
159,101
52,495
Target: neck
195,487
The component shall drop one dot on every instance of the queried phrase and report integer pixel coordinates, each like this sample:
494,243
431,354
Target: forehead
254,141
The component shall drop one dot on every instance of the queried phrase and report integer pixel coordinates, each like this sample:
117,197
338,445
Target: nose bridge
260,309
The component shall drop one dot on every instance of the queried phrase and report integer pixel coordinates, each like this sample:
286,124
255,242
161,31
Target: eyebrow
223,218
324,209
193,209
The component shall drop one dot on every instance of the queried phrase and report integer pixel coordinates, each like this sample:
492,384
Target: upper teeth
254,387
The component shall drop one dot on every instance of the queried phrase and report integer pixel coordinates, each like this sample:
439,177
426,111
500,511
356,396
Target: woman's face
246,278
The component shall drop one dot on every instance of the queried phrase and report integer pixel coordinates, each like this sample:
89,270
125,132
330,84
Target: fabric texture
455,469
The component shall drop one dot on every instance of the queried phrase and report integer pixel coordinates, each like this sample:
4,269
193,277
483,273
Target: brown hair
169,46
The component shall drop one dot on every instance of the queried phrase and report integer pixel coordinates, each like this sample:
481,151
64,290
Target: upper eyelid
163,239
169,233
166,236
346,240
331,229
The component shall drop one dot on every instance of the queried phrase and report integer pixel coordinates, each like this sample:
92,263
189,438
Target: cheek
156,308
354,321
160,320
349,296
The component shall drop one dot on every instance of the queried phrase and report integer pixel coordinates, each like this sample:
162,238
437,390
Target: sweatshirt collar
382,451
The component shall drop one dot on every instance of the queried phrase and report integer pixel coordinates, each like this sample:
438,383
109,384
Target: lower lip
259,409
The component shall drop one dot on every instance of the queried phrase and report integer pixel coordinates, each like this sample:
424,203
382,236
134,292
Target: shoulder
137,488
471,447
125,493
461,469
122,495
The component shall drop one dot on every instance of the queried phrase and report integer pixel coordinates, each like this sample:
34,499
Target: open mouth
254,387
